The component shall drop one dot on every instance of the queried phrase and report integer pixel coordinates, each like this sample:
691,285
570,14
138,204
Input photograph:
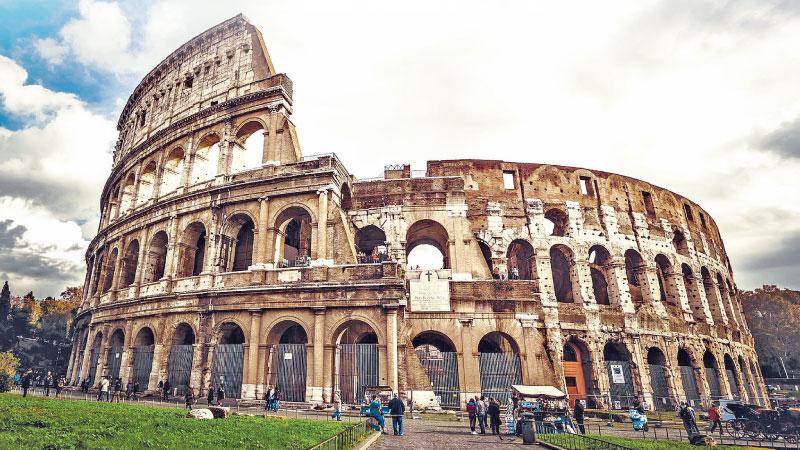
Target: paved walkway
441,435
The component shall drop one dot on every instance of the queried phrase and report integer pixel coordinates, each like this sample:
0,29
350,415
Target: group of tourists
478,409
272,399
499,274
28,380
397,411
379,254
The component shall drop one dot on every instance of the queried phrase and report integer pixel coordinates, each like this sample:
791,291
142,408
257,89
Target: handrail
345,438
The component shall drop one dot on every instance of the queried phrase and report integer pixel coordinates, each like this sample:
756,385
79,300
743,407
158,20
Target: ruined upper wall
224,62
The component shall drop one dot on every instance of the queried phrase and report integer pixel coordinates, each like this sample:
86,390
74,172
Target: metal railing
347,438
579,442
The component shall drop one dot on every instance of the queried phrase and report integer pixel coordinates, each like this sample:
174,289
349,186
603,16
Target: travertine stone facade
225,256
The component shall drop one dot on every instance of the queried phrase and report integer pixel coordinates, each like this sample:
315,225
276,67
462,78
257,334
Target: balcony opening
508,179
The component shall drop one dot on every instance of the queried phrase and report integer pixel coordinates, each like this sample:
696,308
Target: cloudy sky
698,96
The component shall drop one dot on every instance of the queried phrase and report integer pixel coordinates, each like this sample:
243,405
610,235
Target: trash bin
528,428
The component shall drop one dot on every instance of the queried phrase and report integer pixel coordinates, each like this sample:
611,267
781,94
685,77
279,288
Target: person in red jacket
714,417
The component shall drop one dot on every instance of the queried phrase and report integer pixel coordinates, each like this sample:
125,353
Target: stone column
644,371
254,341
651,293
172,248
584,281
391,345
619,281
187,164
141,263
118,268
158,176
322,226
260,253
317,393
87,353
471,381
675,280
127,353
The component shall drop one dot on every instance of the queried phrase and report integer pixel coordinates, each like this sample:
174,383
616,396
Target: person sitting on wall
376,413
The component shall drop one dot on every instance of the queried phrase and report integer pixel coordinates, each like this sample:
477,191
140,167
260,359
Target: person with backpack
686,413
472,414
337,406
480,411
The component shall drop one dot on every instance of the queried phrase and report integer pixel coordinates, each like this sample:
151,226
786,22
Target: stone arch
147,182
664,272
499,364
634,270
128,200
111,265
142,356
205,158
282,325
294,225
600,270
486,252
732,373
116,347
248,148
228,364
288,341
94,356
618,362
357,359
712,294
183,333
434,237
437,354
712,375
239,242
577,365
156,257
724,296
686,366
680,243
181,356
368,241
658,368
130,263
520,256
436,339
192,250
556,222
172,170
354,330
562,268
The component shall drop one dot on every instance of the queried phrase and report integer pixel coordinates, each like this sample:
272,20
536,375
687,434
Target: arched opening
206,159
94,358
347,197
156,258
356,360
171,171
521,264
129,263
556,222
634,267
754,371
722,291
712,294
293,240
181,353
371,244
248,148
688,378
192,252
657,363
712,375
486,252
692,293
620,375
128,194
114,355
143,347
747,379
99,263
147,183
680,244
427,244
667,290
226,371
113,207
438,357
242,257
577,369
599,260
730,371
288,343
499,365
561,258
111,265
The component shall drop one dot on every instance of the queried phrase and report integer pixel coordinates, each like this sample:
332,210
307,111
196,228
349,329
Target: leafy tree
8,367
5,302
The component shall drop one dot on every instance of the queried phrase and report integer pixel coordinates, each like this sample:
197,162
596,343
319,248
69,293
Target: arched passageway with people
116,346
688,379
620,375
577,371
288,360
521,262
293,237
439,359
142,363
226,371
181,355
371,245
356,360
657,363
499,365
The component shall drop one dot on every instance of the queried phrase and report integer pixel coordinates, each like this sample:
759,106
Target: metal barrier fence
346,438
579,442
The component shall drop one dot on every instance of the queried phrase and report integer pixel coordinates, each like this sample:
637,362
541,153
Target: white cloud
28,100
51,50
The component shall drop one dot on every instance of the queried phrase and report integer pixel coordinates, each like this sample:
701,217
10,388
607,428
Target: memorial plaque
429,293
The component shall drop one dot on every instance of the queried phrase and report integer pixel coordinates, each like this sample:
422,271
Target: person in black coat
397,409
493,411
210,397
578,414
167,390
26,382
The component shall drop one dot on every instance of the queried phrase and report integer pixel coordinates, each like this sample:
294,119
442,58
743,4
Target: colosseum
227,258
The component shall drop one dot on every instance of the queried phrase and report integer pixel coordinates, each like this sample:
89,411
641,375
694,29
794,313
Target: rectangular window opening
703,221
687,210
508,179
648,204
586,186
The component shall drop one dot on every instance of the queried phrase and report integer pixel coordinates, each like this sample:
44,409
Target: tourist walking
48,382
472,414
375,411
276,399
167,390
210,395
26,382
220,395
397,409
189,398
337,406
269,397
493,411
60,382
117,395
686,414
715,418
578,412
104,386
480,411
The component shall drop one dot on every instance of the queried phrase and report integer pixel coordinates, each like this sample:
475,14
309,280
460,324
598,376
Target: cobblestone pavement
441,435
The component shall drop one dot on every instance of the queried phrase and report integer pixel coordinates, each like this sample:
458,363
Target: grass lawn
643,444
28,423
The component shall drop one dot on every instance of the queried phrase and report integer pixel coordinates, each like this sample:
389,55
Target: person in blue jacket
376,413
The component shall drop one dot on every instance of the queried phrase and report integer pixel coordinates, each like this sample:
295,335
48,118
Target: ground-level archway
288,342
114,355
439,359
94,358
577,369
620,375
499,365
142,362
730,371
356,360
657,363
712,375
228,363
688,379
181,354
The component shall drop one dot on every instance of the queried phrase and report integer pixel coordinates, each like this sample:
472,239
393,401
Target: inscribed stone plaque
429,293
